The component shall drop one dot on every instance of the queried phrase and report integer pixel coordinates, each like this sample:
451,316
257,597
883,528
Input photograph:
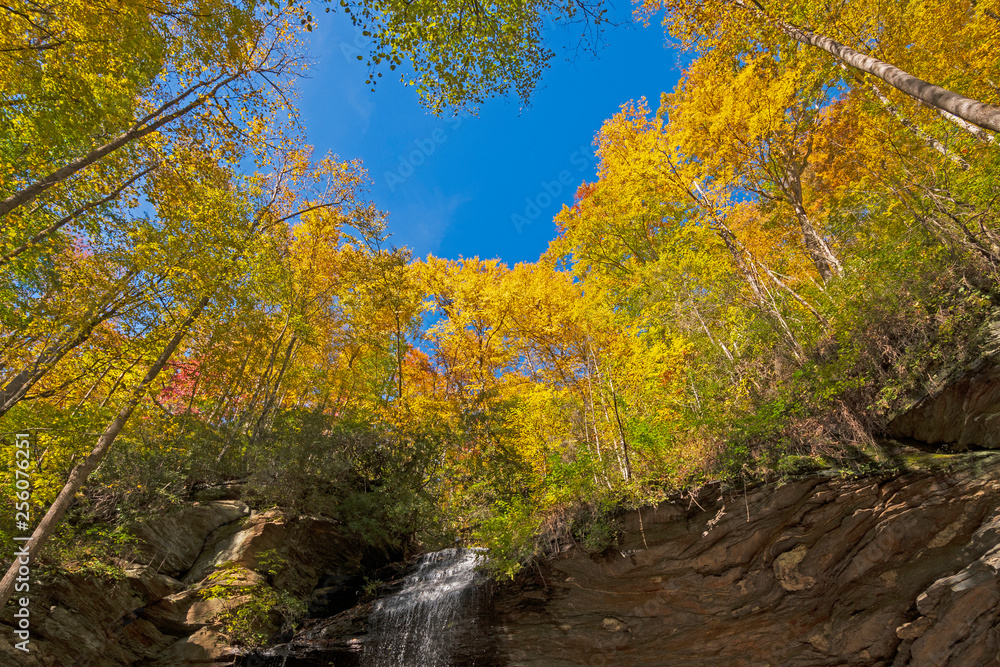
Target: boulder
190,610
204,647
300,549
172,543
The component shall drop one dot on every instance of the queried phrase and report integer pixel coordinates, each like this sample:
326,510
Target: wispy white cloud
425,219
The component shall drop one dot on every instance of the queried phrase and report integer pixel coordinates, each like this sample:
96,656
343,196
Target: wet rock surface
435,614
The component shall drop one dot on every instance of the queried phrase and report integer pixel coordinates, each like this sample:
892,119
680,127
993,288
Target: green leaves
463,52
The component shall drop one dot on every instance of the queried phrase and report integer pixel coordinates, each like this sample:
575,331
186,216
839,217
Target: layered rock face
819,571
156,615
963,413
961,407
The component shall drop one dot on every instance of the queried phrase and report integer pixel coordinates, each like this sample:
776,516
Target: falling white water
418,625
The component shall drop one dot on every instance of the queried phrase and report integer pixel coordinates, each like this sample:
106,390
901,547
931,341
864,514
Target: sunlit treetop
463,52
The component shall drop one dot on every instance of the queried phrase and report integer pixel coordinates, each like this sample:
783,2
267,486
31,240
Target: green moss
251,613
797,464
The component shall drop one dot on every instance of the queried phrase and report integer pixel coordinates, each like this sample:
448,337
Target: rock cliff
900,569
822,570
960,407
156,614
892,571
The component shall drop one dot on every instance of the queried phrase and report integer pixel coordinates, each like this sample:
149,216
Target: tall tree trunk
747,266
262,382
795,295
140,129
745,263
271,396
976,112
59,224
217,412
822,256
621,431
929,141
977,132
708,333
80,473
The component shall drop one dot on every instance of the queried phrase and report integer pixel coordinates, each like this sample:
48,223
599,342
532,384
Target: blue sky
486,185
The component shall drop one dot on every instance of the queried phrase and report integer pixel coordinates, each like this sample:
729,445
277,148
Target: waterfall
438,615
421,624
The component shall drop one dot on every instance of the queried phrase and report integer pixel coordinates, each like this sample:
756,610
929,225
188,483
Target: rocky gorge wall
822,570
900,569
817,571
156,614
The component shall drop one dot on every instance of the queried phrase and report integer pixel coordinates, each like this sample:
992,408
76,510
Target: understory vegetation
765,269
